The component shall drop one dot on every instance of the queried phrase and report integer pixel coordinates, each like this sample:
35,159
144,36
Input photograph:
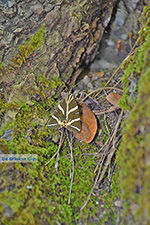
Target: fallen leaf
88,125
84,134
99,74
113,98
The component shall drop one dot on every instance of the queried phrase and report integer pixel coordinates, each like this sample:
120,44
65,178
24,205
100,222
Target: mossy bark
72,32
134,153
33,73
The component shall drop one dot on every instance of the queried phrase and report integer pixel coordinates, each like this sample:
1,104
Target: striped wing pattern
66,115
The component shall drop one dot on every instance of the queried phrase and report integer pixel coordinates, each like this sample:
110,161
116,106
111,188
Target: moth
66,115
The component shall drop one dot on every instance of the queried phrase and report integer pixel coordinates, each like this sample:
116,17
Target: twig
113,135
107,162
108,110
106,124
117,126
116,71
109,90
100,165
109,158
57,162
100,89
59,147
72,173
110,140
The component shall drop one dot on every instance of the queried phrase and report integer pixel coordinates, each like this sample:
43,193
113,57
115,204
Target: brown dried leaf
84,134
99,74
113,98
88,125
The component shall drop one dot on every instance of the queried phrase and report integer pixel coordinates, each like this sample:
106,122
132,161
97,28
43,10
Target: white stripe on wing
61,109
59,122
53,124
72,121
75,128
73,109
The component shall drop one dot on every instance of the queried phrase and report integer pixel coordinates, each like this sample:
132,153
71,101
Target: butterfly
66,115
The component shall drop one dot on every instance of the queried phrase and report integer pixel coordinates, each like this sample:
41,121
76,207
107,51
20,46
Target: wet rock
10,3
102,65
132,4
120,16
124,37
3,2
116,44
110,43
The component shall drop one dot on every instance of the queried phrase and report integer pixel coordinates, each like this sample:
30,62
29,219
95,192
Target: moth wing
53,124
58,116
74,116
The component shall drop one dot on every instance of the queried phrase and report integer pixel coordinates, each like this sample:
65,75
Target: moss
24,53
28,48
133,154
1,65
130,183
47,200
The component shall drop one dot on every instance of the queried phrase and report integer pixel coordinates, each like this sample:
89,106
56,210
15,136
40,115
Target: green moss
28,48
1,65
133,155
47,200
130,183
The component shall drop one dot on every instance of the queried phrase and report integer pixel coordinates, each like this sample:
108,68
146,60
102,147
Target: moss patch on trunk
134,152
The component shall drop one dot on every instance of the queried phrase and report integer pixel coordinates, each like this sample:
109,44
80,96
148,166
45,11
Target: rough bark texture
73,30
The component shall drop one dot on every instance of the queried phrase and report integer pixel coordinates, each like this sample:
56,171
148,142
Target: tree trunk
72,33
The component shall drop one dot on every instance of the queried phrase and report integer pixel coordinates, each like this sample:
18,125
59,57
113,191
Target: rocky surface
118,40
120,36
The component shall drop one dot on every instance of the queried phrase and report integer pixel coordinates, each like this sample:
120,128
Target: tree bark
73,30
